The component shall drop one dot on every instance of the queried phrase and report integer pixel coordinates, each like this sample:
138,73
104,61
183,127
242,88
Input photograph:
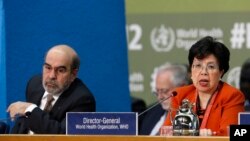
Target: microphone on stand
174,93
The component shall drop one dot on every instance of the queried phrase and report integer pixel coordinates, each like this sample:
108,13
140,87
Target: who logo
162,38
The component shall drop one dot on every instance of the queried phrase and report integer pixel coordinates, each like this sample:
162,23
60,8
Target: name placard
102,123
244,118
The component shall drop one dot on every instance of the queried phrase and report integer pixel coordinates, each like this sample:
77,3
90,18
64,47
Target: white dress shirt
158,125
42,105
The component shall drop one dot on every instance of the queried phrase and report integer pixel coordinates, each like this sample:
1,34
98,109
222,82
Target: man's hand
17,109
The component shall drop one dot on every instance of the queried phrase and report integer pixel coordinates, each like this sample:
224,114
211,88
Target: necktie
48,105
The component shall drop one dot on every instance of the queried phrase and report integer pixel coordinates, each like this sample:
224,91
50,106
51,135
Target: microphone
174,93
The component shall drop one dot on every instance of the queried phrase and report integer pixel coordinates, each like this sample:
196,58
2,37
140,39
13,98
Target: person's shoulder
78,81
35,79
186,87
227,88
78,87
228,92
79,84
186,91
138,104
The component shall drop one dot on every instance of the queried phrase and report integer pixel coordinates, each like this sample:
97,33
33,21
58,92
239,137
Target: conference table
13,137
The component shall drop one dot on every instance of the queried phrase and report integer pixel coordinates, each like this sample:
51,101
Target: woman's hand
206,132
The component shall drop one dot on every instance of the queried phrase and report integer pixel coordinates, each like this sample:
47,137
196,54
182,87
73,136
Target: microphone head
174,93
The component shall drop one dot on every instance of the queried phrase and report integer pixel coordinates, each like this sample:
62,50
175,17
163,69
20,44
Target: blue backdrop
95,28
2,64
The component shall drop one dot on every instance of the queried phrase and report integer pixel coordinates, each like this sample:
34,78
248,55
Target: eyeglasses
209,67
157,92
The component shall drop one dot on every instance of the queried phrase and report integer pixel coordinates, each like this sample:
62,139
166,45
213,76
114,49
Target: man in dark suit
59,83
166,78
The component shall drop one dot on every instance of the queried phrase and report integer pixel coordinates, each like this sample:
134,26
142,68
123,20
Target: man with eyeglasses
167,78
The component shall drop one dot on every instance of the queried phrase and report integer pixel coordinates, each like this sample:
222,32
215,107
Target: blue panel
244,118
96,29
2,65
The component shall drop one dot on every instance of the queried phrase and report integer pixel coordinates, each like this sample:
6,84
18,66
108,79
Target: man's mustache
51,82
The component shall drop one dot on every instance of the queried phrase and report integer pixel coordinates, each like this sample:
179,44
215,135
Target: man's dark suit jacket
77,98
150,119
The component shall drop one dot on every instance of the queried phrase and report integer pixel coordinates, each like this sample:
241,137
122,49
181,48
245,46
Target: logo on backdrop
162,38
136,80
240,35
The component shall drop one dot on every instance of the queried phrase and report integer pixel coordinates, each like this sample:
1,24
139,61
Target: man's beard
55,89
165,106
